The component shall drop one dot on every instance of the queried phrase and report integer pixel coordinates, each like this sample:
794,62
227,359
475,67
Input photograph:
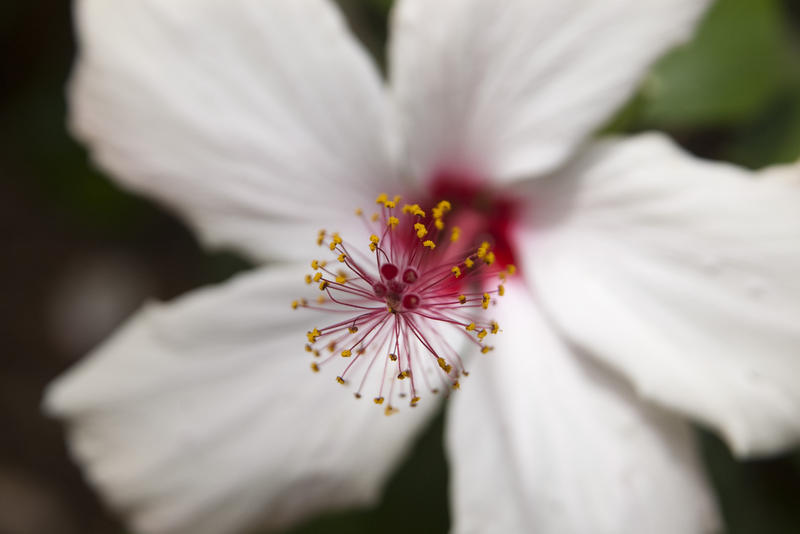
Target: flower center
421,274
494,213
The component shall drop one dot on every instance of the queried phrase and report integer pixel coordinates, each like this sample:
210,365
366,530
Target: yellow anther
439,224
421,230
501,290
469,263
378,400
353,329
308,348
483,249
392,222
340,380
321,237
470,327
486,349
489,259
511,268
430,244
323,285
295,304
413,209
383,197
313,335
314,264
346,353
482,334
341,278
372,247
317,277
389,410
485,301
315,367
456,270
414,401
359,212
495,327
502,276
446,367
456,385
402,375
323,263
396,199
440,209
374,239
308,279
374,217
335,240
389,204
342,257
331,347
462,299
393,357
456,234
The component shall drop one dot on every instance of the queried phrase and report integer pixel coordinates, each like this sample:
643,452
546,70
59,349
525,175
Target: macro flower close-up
574,301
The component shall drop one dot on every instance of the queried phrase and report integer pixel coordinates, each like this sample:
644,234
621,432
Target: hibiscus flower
651,287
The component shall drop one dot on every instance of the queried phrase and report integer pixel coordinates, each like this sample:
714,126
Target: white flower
652,285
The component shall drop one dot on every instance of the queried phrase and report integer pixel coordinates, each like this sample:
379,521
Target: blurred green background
79,254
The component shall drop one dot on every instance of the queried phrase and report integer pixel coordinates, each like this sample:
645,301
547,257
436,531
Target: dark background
79,255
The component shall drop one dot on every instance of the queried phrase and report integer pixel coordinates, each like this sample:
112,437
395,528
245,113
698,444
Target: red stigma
389,271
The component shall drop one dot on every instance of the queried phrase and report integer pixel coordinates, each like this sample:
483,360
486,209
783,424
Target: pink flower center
494,213
424,284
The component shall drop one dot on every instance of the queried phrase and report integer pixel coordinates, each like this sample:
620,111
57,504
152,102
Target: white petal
249,117
682,274
543,440
508,89
788,174
203,417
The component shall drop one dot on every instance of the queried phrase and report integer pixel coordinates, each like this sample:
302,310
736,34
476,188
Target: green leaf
773,138
760,496
728,73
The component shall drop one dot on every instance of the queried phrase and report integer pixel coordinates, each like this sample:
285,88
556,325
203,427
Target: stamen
420,283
